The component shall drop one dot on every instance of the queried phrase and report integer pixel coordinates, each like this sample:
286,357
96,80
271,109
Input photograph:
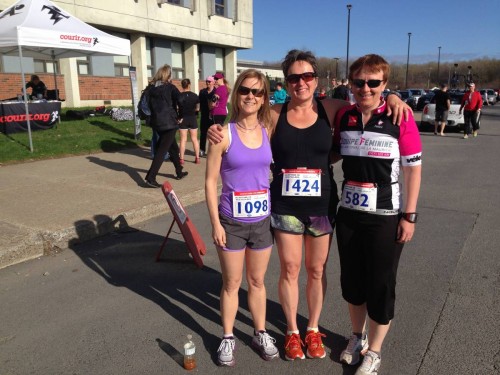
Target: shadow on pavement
125,258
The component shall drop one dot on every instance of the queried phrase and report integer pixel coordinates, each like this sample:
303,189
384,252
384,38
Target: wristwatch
411,217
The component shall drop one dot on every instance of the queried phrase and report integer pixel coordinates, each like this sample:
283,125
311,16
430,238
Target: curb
26,243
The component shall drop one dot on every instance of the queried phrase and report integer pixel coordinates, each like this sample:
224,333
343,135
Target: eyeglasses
306,77
372,83
208,81
243,90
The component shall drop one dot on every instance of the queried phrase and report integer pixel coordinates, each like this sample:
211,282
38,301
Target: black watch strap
411,217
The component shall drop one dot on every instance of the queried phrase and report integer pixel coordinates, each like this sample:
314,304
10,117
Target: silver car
455,119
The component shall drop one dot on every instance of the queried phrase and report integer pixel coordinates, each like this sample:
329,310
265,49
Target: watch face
411,217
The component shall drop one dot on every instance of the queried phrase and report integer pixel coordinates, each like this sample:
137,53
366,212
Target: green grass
72,137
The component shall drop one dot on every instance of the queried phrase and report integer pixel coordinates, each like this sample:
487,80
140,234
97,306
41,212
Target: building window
183,3
149,57
45,66
83,64
220,7
121,66
219,60
177,60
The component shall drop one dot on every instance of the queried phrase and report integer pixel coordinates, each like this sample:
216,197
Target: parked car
415,95
271,100
424,100
455,119
405,96
492,98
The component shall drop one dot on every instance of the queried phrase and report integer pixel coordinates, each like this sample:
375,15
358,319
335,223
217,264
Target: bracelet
411,217
394,93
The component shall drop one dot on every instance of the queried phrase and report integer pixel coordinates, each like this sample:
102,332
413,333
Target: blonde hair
264,113
163,74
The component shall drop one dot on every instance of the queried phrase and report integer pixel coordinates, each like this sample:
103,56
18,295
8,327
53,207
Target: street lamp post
455,77
407,60
336,67
439,60
469,74
349,6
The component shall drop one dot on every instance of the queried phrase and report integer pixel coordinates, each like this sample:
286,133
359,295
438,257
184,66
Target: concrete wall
198,30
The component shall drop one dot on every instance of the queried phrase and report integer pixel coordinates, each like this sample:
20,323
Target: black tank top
295,148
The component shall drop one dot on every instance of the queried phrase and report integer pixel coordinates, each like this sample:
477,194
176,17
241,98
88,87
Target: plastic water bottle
189,353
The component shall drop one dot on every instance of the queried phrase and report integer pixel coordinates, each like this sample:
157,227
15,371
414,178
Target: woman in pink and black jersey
373,219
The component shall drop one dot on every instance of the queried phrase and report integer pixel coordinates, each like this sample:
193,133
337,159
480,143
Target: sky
464,29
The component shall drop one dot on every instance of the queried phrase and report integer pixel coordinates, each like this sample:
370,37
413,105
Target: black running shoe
153,184
181,175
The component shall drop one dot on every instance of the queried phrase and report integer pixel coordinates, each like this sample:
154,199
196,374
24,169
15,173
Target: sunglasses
306,77
243,90
372,83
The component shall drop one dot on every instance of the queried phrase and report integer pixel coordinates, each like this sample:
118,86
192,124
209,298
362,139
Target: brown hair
264,114
371,63
298,55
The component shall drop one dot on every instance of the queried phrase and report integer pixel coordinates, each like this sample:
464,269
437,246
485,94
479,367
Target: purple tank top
242,170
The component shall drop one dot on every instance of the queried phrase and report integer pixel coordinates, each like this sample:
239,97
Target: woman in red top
472,104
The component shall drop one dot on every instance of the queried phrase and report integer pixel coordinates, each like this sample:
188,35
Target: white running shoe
370,364
264,343
350,355
225,355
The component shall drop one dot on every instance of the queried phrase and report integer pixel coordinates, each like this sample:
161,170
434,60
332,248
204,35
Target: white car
490,94
455,119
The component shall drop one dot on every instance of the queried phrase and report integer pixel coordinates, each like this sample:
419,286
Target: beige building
196,37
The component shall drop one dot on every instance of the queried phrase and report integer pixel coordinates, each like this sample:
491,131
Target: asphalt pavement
98,303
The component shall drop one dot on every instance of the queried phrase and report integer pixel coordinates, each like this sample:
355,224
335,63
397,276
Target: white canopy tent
40,29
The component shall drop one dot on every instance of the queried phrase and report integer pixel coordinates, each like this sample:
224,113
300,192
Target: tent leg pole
23,79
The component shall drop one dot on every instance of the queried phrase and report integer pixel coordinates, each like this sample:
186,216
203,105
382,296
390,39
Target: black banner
42,116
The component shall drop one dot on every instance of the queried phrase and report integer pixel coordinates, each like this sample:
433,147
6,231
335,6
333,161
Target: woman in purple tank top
240,220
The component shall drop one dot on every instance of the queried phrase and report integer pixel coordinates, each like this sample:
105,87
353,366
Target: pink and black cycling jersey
374,153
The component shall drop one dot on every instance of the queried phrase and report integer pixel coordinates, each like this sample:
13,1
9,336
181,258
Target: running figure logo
53,117
55,12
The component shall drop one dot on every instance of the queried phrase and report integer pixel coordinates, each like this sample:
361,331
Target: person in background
241,227
322,93
334,86
219,100
206,120
279,94
341,91
371,229
190,103
472,102
165,114
38,88
303,194
443,103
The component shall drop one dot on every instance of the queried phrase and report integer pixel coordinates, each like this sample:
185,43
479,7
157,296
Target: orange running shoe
315,347
293,347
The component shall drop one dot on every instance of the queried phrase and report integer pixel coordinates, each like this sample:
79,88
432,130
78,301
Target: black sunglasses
372,83
295,78
243,90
